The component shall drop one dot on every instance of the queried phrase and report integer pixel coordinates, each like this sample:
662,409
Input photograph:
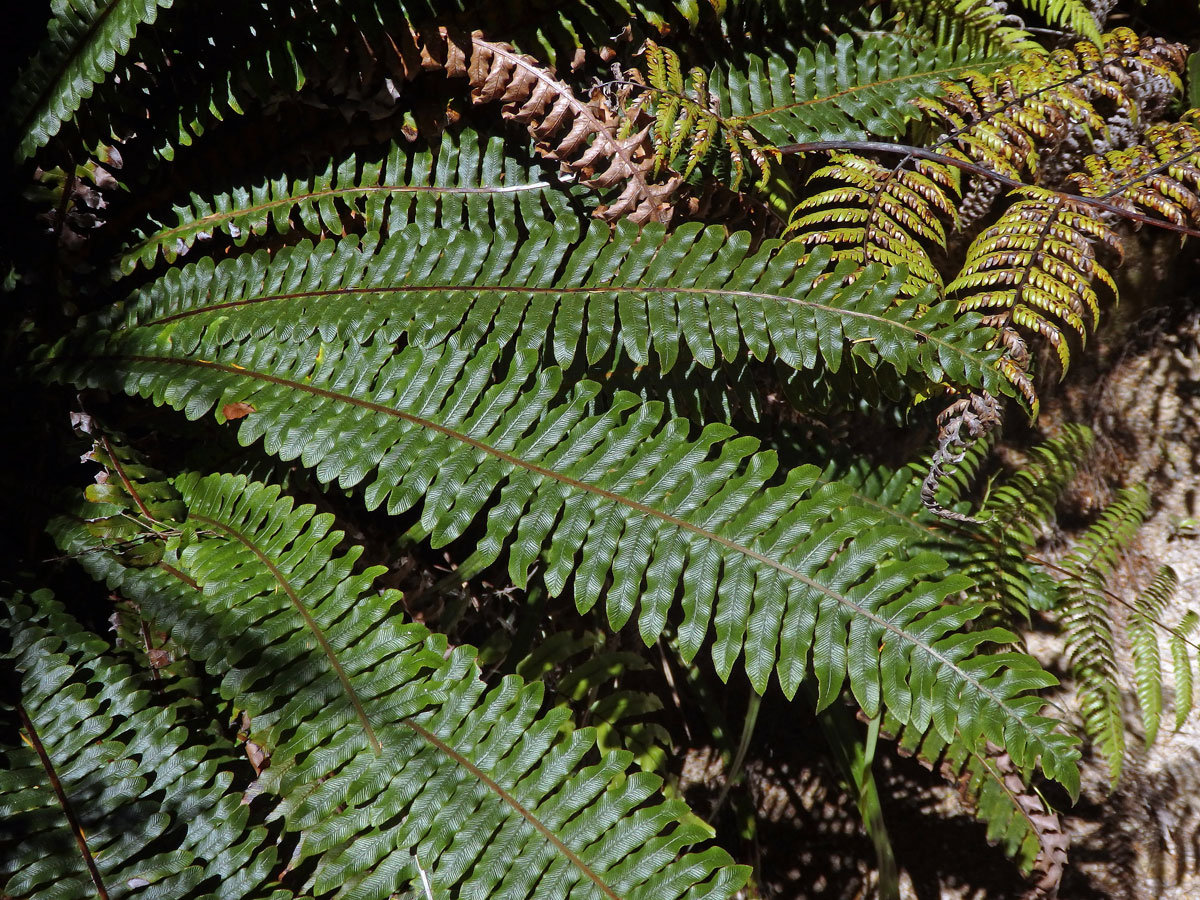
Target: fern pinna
456,272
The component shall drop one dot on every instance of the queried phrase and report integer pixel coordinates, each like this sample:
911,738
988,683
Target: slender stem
61,794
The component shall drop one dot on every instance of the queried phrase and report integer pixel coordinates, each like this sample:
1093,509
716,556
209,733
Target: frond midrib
309,622
425,734
217,218
949,72
919,335
61,70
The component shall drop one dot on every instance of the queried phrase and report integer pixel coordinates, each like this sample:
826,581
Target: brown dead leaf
237,410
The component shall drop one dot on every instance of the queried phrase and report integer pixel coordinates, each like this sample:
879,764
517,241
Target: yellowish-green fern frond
1160,175
1004,121
687,123
874,213
1034,268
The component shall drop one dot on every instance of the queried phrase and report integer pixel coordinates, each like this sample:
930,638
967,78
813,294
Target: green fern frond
85,41
128,794
852,90
977,27
1008,580
1143,639
1017,508
1000,122
459,185
1073,15
697,289
1091,645
586,676
1181,636
324,671
241,70
1015,814
133,503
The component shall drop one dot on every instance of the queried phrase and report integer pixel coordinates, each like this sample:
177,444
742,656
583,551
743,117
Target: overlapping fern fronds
622,504
851,90
1001,122
583,672
338,691
1160,175
110,787
573,131
876,213
697,290
685,118
1008,580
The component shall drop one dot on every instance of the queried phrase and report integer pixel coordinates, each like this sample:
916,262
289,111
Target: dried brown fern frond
580,135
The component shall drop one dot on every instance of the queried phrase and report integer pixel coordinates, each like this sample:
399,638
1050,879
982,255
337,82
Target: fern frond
132,502
879,214
126,795
977,27
323,669
583,674
571,131
626,507
684,117
85,41
459,185
697,289
849,91
1016,815
1035,267
575,132
1002,121
1073,15
1143,639
1182,665
1091,645
1159,175
995,554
